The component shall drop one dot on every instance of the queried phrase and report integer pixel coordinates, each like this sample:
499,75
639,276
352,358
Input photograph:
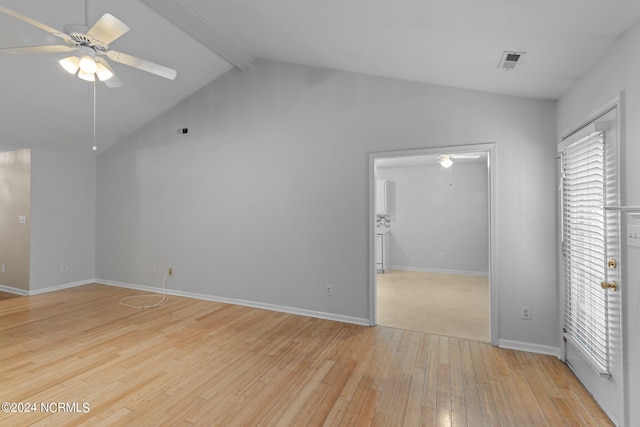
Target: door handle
610,285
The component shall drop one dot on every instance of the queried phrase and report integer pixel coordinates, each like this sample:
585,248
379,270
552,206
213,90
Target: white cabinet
382,202
382,253
382,225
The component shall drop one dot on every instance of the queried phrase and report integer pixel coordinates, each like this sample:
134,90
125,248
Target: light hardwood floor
7,295
192,362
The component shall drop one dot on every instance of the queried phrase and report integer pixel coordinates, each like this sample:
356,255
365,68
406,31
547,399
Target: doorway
432,272
593,315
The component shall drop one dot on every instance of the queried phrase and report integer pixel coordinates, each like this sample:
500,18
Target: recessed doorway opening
433,241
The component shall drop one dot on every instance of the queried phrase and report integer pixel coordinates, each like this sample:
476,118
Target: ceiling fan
89,45
446,161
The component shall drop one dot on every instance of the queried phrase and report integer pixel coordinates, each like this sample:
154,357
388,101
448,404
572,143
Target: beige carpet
454,305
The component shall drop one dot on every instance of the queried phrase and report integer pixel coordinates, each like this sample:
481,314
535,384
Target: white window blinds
584,244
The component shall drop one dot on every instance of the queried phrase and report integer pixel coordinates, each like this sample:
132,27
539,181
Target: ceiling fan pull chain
95,147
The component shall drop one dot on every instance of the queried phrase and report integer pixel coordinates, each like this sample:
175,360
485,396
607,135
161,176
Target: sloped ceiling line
188,18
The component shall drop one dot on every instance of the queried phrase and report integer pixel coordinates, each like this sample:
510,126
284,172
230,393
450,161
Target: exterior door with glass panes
592,326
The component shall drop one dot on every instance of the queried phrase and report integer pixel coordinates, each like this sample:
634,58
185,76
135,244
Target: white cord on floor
164,296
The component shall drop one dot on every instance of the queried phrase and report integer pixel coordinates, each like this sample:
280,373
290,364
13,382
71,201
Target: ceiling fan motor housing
78,34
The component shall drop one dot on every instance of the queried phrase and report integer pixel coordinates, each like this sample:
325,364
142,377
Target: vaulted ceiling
446,42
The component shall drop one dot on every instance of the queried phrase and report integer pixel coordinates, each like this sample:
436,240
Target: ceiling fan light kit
86,76
103,72
87,66
71,64
446,162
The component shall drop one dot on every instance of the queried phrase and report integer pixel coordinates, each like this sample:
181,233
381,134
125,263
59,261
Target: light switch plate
22,219
633,235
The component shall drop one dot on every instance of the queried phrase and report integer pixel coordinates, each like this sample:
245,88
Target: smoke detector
510,59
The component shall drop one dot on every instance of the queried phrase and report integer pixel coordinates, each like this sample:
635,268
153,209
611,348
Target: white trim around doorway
490,149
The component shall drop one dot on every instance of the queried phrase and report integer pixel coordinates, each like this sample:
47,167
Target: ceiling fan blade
424,156
107,29
465,156
38,24
37,49
150,67
112,81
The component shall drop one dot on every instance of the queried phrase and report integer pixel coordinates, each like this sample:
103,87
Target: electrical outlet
526,313
328,290
3,268
64,267
154,270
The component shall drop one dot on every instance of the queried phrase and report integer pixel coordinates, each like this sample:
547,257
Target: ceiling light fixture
86,66
446,161
103,72
71,64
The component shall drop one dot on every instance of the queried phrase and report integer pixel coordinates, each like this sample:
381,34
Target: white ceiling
448,42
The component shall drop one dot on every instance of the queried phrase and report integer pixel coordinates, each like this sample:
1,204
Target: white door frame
608,400
490,149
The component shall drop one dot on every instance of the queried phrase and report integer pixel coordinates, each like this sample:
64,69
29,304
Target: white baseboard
508,344
438,270
246,303
12,290
531,348
62,286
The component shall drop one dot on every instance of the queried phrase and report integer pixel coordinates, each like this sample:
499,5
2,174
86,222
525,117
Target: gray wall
618,71
266,198
15,201
57,193
63,218
439,217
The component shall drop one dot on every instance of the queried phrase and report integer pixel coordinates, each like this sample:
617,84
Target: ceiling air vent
510,60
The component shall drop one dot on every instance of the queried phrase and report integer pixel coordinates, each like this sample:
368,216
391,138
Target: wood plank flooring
7,295
192,362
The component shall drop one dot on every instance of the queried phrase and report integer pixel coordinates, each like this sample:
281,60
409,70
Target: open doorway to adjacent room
432,240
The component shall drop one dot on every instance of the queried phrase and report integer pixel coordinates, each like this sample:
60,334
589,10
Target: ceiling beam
188,18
